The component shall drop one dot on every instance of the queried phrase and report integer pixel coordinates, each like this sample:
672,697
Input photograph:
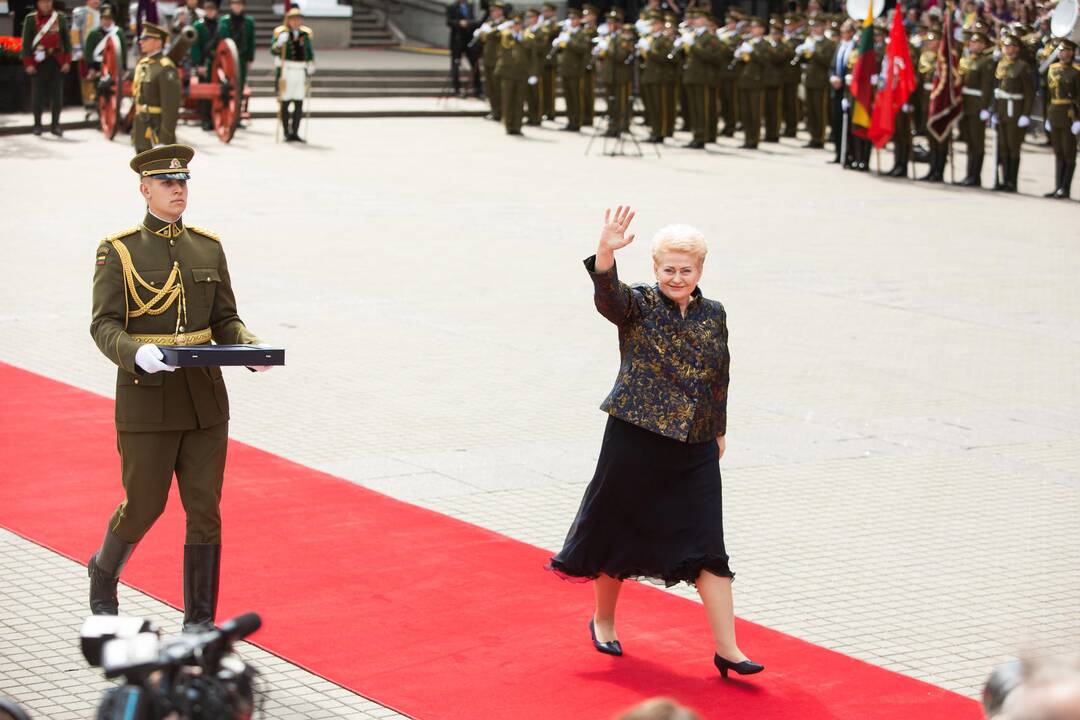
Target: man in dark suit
838,72
461,19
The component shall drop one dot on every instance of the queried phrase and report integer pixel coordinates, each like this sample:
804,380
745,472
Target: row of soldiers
767,77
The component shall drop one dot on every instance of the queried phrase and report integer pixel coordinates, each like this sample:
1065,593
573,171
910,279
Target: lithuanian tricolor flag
862,90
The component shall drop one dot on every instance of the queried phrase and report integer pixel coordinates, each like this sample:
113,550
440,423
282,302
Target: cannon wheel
108,100
225,72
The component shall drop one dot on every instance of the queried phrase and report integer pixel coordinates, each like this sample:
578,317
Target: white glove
690,39
39,56
906,107
643,45
1075,127
874,79
532,80
744,49
994,120
310,68
845,104
984,115
1024,121
1046,125
150,360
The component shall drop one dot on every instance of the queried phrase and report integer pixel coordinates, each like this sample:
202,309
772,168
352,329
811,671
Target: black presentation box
222,355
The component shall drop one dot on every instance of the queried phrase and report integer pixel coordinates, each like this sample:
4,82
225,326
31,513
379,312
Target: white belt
973,92
1009,97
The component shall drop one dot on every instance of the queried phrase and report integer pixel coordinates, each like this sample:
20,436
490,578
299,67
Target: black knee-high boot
298,114
104,570
202,571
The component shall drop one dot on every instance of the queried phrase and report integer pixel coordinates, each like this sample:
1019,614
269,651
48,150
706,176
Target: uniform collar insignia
163,228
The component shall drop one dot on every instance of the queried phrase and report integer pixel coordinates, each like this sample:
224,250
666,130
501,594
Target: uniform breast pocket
206,283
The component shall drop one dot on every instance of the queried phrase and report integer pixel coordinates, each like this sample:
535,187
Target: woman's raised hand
613,236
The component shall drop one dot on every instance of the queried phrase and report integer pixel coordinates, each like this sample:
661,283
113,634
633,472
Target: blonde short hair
679,239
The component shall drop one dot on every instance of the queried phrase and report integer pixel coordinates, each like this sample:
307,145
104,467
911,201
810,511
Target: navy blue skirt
652,512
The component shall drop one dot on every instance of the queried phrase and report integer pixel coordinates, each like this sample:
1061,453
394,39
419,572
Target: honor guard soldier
780,57
94,50
84,21
165,282
240,28
976,71
294,63
1014,95
815,53
794,34
46,56
488,37
203,50
156,90
512,70
702,51
574,49
755,54
1063,115
728,74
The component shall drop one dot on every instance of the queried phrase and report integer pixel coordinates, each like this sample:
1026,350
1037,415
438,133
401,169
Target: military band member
240,28
574,51
779,59
590,23
165,282
549,63
615,51
791,76
156,89
294,63
1014,94
512,70
976,70
84,21
658,79
755,55
46,57
1063,115
537,46
488,37
728,94
203,50
815,52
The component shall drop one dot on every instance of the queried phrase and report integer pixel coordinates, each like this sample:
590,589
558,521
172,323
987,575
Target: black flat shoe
607,648
745,667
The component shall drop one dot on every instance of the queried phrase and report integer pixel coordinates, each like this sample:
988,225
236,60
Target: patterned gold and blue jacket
673,374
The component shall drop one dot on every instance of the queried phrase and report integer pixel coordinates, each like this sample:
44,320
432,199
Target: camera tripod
616,145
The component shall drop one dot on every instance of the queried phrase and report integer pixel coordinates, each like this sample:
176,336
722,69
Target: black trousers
48,81
836,98
455,70
295,116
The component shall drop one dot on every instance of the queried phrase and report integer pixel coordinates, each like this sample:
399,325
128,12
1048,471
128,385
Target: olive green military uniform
536,49
728,75
156,89
1014,95
618,77
588,79
165,283
751,84
489,39
658,85
549,70
977,74
700,84
816,61
773,82
1063,109
512,71
573,54
790,77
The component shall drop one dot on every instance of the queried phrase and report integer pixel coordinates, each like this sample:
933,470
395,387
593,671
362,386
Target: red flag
946,101
862,90
899,84
288,6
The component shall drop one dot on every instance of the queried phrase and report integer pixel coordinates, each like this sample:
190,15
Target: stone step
384,92
343,84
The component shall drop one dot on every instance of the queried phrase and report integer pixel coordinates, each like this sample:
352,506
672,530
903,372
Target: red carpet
431,616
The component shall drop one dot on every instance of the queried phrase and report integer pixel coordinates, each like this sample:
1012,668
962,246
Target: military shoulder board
204,232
